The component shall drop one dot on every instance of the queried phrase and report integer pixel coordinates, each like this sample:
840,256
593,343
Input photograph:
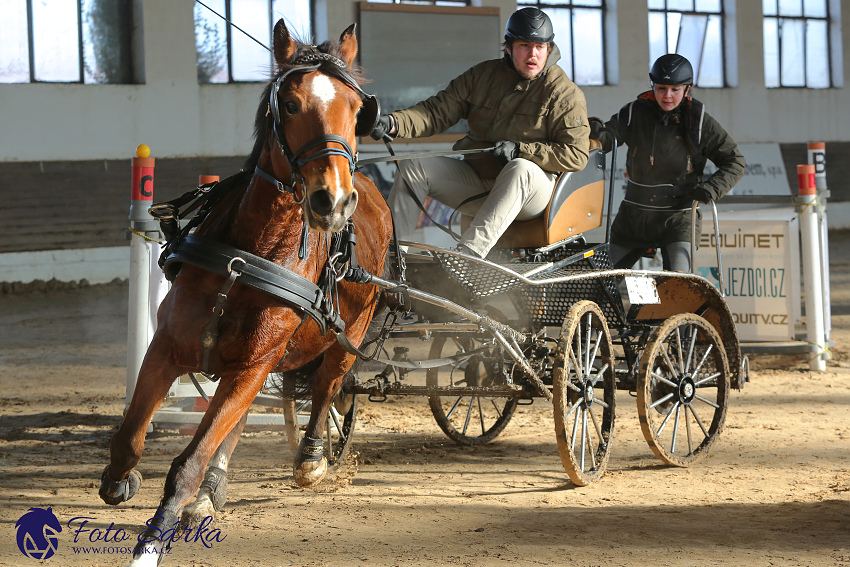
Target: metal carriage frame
678,352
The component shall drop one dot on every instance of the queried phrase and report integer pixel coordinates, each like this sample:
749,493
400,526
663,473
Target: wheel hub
687,390
588,394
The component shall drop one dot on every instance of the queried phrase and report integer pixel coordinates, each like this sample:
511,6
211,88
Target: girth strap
258,273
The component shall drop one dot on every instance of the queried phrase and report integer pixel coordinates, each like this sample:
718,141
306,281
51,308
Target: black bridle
365,120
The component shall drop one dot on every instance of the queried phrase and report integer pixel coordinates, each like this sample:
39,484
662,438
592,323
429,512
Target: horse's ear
348,44
284,46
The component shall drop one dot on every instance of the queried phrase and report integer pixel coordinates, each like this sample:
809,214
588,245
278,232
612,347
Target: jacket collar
648,99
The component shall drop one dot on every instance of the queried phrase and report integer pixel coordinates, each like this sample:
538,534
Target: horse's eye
290,107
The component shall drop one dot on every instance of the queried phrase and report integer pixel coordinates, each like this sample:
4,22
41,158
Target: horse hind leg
290,416
212,494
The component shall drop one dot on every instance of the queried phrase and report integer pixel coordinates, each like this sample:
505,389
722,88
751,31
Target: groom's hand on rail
700,194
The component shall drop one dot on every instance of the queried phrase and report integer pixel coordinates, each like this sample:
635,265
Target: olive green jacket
546,115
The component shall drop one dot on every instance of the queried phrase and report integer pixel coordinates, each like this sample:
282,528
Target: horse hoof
212,496
310,464
150,549
115,492
309,473
195,513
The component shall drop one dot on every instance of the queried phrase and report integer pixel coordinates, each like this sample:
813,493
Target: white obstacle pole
817,157
810,240
144,233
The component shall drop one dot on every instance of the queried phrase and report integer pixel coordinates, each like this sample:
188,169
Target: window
796,43
579,36
228,55
427,2
694,29
62,41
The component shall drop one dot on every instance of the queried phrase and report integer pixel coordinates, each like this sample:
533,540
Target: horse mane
263,118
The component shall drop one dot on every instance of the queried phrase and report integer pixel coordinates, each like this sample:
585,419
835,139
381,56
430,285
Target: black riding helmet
672,69
529,24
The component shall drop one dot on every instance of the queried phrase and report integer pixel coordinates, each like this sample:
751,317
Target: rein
284,188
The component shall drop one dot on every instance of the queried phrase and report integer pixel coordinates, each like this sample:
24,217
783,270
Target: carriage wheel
682,389
584,387
338,430
467,420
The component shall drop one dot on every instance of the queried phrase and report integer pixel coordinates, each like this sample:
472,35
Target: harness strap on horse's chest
258,273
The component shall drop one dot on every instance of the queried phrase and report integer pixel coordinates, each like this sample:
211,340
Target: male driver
524,106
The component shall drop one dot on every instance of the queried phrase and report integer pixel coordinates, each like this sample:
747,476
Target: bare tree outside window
579,34
693,29
66,41
797,43
210,46
426,2
227,54
106,49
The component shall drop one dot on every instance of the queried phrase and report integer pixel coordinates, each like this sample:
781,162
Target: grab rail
716,240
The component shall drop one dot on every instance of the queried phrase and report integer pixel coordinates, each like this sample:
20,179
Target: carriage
547,316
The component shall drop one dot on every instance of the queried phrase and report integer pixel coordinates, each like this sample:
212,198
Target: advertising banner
760,251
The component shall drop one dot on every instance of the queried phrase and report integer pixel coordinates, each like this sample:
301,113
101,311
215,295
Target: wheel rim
584,390
683,389
468,419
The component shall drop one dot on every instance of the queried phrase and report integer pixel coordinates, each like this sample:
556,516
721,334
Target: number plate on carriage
642,290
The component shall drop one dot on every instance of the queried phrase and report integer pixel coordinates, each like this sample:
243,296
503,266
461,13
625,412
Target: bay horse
314,104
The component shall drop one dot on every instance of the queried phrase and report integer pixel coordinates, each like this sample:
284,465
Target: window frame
727,11
228,38
431,2
126,43
828,19
603,8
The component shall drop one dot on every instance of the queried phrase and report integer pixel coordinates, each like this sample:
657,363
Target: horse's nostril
351,200
321,203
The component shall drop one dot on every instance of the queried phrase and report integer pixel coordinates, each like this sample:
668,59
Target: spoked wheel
682,389
339,429
584,387
467,420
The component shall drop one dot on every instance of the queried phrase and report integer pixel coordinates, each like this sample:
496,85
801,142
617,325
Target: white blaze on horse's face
330,194
323,90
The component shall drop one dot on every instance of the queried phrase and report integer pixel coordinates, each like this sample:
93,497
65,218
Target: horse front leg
212,494
227,409
310,465
120,481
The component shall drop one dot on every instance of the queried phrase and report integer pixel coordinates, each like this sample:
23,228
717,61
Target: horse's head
317,109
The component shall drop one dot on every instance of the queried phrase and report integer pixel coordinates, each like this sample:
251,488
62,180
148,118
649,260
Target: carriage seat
575,207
